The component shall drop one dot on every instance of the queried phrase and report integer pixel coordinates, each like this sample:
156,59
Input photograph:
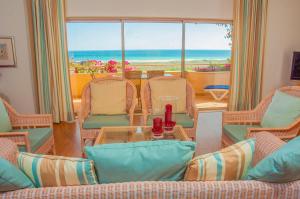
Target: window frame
123,20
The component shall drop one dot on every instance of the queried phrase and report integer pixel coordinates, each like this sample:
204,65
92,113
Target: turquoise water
149,55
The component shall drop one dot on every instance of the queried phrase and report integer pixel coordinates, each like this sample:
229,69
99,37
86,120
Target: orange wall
198,79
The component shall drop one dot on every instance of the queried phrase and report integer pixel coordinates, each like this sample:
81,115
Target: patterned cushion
108,97
174,89
37,137
231,163
98,121
237,133
11,178
249,189
182,119
5,125
50,171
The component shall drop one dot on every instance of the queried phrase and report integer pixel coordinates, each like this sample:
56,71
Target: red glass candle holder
157,127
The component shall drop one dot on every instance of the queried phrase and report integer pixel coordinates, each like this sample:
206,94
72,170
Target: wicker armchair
155,73
190,104
254,117
91,133
23,125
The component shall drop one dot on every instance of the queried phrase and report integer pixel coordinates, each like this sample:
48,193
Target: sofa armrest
8,150
284,133
19,138
35,120
241,117
266,143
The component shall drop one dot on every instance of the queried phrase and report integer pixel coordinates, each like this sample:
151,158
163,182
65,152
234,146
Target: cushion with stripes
231,163
54,171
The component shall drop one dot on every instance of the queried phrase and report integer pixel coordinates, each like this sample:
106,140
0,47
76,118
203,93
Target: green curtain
51,58
249,30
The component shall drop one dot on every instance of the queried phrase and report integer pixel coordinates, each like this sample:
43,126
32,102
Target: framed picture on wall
7,52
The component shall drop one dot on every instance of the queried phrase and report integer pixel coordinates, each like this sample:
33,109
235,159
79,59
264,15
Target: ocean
149,55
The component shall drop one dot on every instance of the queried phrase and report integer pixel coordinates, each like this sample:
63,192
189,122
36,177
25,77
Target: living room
228,96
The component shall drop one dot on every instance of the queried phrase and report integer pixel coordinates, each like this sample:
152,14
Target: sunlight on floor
207,102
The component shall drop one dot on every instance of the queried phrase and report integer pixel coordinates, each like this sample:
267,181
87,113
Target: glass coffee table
125,134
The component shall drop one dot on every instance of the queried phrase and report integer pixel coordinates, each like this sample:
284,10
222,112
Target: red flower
126,62
129,68
112,62
111,69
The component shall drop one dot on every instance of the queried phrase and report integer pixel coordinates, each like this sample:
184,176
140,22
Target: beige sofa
265,144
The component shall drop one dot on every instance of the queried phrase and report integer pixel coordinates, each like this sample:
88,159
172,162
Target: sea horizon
149,55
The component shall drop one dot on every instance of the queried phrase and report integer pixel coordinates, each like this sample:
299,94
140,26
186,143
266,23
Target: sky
107,36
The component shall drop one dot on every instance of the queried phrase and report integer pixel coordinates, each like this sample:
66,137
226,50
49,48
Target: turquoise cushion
163,160
11,178
98,121
281,166
181,119
37,137
237,133
282,111
5,125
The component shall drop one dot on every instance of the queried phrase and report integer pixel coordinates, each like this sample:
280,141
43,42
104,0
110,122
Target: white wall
283,37
16,83
219,9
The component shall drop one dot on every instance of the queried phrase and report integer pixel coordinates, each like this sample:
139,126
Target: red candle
168,115
157,125
169,107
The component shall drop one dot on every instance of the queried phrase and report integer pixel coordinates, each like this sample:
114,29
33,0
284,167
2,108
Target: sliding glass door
198,51
153,46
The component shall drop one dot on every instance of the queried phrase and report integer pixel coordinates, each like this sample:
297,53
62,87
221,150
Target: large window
200,52
95,48
207,47
153,46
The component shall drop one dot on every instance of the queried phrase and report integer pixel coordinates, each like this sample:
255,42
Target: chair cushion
225,87
108,97
37,137
163,160
98,121
55,171
283,110
168,91
281,166
5,125
11,178
237,133
231,163
182,119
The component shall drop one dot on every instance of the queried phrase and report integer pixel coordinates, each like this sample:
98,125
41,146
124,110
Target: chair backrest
131,94
146,95
135,74
263,105
155,73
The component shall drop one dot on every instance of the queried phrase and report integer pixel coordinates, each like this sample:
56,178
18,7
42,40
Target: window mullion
183,50
123,47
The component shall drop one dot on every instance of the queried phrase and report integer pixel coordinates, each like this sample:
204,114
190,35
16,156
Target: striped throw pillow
231,163
54,171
